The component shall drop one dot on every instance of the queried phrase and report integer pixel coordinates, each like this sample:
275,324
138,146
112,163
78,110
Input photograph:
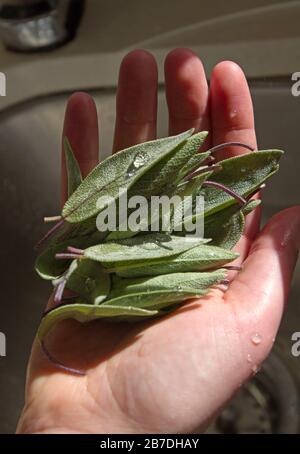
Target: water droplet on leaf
139,161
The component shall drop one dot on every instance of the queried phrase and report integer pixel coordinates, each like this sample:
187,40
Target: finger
81,128
186,92
136,100
231,108
233,120
260,290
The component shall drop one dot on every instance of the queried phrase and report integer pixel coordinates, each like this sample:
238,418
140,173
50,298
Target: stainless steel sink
261,35
30,156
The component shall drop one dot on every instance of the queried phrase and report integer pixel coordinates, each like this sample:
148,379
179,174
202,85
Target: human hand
176,373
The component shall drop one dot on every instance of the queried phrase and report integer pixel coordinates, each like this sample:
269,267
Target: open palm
174,374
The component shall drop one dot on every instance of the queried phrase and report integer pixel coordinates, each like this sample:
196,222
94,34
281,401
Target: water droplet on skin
286,239
233,114
256,338
249,358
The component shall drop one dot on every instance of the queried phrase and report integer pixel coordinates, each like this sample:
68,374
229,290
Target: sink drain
267,404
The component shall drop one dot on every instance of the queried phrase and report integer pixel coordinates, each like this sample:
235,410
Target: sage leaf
48,267
85,313
129,276
242,174
226,227
87,279
154,300
199,258
192,164
72,167
163,176
178,282
141,247
122,169
186,189
192,186
173,212
160,180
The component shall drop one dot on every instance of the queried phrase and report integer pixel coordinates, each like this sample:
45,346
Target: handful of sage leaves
125,274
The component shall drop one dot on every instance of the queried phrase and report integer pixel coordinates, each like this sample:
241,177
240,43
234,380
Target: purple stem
67,256
214,168
59,290
242,201
50,232
230,144
59,364
75,250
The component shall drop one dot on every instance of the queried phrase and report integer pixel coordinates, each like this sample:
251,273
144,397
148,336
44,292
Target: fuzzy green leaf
243,174
186,189
154,300
226,227
73,169
141,247
85,313
192,164
122,169
87,279
48,267
161,179
163,176
182,190
178,282
200,258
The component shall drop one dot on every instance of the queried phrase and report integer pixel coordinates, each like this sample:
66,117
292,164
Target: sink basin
261,35
30,156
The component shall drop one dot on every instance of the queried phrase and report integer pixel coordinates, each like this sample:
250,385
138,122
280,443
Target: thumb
259,292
